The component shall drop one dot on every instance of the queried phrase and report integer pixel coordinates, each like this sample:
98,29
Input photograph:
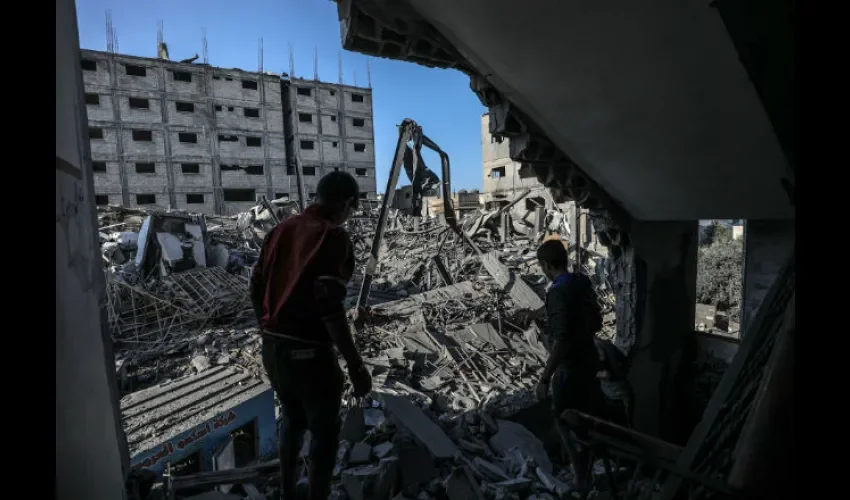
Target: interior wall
91,454
767,246
666,258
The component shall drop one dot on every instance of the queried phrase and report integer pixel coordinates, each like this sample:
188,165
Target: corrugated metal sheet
154,415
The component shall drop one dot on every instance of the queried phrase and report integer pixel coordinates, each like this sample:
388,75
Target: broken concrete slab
513,435
413,304
460,486
487,333
522,294
387,479
552,483
359,482
201,363
353,425
383,449
489,470
361,453
517,485
425,430
417,341
372,482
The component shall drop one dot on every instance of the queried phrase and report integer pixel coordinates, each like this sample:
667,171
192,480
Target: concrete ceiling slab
649,98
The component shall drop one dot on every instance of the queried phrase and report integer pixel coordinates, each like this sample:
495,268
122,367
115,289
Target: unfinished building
504,178
212,140
182,135
329,128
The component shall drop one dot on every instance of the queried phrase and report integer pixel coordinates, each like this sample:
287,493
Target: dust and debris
452,338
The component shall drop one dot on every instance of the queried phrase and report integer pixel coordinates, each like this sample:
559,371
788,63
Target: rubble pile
452,338
404,450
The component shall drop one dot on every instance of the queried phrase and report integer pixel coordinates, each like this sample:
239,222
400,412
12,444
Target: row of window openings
230,195
359,147
311,171
178,76
184,137
308,92
184,107
186,168
308,118
150,199
195,168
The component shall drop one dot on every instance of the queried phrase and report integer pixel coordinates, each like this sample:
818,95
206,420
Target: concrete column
767,245
91,449
664,270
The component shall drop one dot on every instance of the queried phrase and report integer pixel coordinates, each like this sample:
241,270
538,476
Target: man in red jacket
297,289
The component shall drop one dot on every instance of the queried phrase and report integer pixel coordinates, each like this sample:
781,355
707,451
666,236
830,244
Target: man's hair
553,253
336,187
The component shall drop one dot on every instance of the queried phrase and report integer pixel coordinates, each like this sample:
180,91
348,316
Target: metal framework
409,131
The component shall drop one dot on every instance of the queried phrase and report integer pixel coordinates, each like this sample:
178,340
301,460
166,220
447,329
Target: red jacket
302,255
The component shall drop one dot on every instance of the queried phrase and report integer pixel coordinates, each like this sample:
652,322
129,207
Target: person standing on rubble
573,317
297,289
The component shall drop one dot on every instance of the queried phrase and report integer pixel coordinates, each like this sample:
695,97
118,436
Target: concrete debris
417,466
360,454
421,426
514,436
382,449
452,336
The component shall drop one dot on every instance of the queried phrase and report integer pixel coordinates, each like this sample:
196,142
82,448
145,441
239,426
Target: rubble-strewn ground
453,356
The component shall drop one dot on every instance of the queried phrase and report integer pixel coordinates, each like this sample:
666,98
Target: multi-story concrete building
329,127
502,179
502,182
208,139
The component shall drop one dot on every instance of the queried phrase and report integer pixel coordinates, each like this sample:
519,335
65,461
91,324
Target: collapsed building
452,338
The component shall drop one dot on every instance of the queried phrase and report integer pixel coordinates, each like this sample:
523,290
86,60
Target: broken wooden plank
526,299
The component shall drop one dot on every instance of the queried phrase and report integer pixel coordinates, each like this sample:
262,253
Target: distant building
502,180
403,199
212,140
467,202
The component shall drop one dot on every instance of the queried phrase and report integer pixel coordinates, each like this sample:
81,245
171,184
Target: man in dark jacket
573,361
297,289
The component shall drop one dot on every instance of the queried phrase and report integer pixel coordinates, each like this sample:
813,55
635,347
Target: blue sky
439,100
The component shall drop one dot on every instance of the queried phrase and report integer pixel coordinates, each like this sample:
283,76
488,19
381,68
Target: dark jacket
566,323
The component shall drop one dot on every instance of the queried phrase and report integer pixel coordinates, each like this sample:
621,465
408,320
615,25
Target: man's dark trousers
308,382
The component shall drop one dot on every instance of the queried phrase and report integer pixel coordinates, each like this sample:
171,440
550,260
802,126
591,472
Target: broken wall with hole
500,172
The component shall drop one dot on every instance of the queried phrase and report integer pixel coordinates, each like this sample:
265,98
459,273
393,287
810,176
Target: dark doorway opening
246,443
